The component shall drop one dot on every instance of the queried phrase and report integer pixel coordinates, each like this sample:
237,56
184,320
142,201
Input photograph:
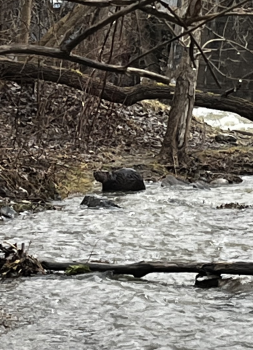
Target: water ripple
160,311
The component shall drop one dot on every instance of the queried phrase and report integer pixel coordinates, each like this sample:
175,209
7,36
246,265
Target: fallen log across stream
143,268
212,271
15,262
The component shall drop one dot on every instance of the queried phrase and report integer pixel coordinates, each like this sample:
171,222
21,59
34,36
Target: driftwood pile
16,262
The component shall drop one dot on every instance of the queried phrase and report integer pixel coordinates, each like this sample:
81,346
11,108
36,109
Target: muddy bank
54,137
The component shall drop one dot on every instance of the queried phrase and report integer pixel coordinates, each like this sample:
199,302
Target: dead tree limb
56,53
17,71
198,22
143,268
99,3
69,46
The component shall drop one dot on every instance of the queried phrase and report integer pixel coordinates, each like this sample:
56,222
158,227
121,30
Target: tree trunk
208,274
175,141
16,71
174,145
25,21
141,269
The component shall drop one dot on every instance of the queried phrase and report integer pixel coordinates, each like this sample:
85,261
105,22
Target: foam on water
223,120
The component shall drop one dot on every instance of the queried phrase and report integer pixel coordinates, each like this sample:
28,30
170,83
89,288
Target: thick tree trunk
66,26
208,274
175,141
176,138
143,268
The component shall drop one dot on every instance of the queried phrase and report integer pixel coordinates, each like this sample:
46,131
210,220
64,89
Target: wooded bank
29,72
143,268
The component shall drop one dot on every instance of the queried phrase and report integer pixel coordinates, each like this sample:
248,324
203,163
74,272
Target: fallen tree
112,41
29,72
15,262
211,272
143,268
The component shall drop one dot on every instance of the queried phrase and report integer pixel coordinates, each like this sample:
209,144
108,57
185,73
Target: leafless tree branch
188,22
56,53
69,46
18,71
98,3
226,12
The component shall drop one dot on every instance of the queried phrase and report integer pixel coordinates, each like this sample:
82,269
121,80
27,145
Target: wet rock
125,179
8,212
201,185
219,181
211,281
226,138
3,192
210,176
171,180
233,179
98,202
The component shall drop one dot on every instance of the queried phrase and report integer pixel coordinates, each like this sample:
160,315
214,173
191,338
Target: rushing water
161,311
223,120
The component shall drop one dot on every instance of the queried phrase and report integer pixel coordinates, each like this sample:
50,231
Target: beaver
125,179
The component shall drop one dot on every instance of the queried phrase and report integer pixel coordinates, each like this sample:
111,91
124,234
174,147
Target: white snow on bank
223,120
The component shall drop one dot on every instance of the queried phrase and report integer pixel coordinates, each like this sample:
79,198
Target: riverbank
53,138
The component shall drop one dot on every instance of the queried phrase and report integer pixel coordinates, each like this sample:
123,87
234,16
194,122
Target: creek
99,311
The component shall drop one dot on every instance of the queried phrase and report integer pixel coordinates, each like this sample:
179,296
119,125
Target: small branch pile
233,206
16,262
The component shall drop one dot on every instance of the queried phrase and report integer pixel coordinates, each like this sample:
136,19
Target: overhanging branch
203,20
56,53
98,3
17,71
69,46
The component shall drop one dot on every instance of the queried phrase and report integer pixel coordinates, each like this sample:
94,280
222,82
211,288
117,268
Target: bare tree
91,36
176,137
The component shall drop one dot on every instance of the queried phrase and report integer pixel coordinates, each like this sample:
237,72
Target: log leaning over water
143,268
17,71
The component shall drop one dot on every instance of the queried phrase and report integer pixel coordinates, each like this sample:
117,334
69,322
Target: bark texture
16,71
175,141
143,268
25,21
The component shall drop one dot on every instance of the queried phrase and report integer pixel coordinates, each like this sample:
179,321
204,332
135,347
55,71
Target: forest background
76,77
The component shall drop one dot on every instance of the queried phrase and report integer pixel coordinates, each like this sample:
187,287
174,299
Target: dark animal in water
124,179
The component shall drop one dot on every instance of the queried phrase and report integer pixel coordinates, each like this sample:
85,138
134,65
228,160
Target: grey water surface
161,311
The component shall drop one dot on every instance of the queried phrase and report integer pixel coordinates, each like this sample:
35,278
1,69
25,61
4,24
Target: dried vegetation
54,136
15,262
